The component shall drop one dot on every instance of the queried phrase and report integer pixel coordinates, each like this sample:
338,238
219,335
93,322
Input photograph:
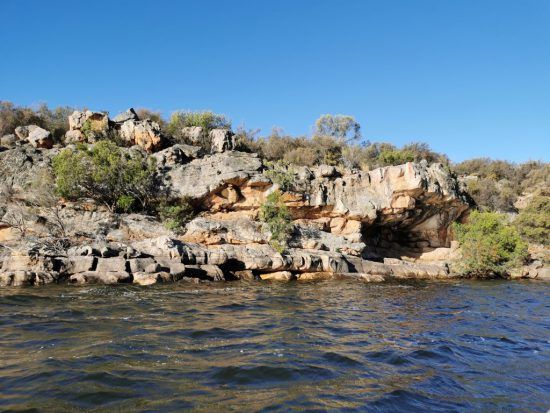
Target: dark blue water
331,346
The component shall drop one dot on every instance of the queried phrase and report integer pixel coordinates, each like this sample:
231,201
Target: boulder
40,138
23,132
130,114
222,140
111,265
177,155
192,134
80,264
277,276
74,136
139,264
146,134
77,119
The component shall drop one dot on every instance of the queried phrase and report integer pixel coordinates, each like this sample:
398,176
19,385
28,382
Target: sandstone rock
40,138
205,272
23,132
153,268
117,265
192,134
77,119
160,247
142,278
80,264
146,134
139,264
211,232
177,155
96,277
74,136
208,176
315,276
277,276
543,274
222,140
16,278
130,114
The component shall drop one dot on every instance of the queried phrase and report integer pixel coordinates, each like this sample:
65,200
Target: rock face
385,224
145,134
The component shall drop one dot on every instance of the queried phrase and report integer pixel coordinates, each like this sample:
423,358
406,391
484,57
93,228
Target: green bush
489,245
276,215
175,216
533,222
207,120
121,180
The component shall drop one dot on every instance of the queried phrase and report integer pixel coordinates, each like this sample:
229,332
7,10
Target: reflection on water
455,346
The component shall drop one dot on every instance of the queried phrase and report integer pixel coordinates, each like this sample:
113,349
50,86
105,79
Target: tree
489,245
275,214
342,127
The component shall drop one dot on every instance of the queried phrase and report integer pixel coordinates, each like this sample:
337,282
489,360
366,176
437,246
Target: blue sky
470,77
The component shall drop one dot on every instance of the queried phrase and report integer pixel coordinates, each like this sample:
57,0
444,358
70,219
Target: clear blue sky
470,77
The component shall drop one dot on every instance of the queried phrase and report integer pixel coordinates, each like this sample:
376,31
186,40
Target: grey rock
97,277
80,264
130,114
192,134
139,264
222,140
111,265
40,138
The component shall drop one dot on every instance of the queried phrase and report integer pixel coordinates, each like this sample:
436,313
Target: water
330,346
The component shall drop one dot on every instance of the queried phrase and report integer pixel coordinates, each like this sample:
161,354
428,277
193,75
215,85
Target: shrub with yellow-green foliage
489,245
533,222
277,217
121,180
207,120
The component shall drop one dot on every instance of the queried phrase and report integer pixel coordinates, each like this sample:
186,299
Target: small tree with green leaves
277,217
121,180
489,245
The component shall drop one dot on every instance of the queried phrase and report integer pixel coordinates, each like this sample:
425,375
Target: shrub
489,245
395,157
175,216
207,120
533,222
281,173
275,214
122,180
144,113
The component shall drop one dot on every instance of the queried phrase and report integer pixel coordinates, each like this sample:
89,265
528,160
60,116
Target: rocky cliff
392,222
